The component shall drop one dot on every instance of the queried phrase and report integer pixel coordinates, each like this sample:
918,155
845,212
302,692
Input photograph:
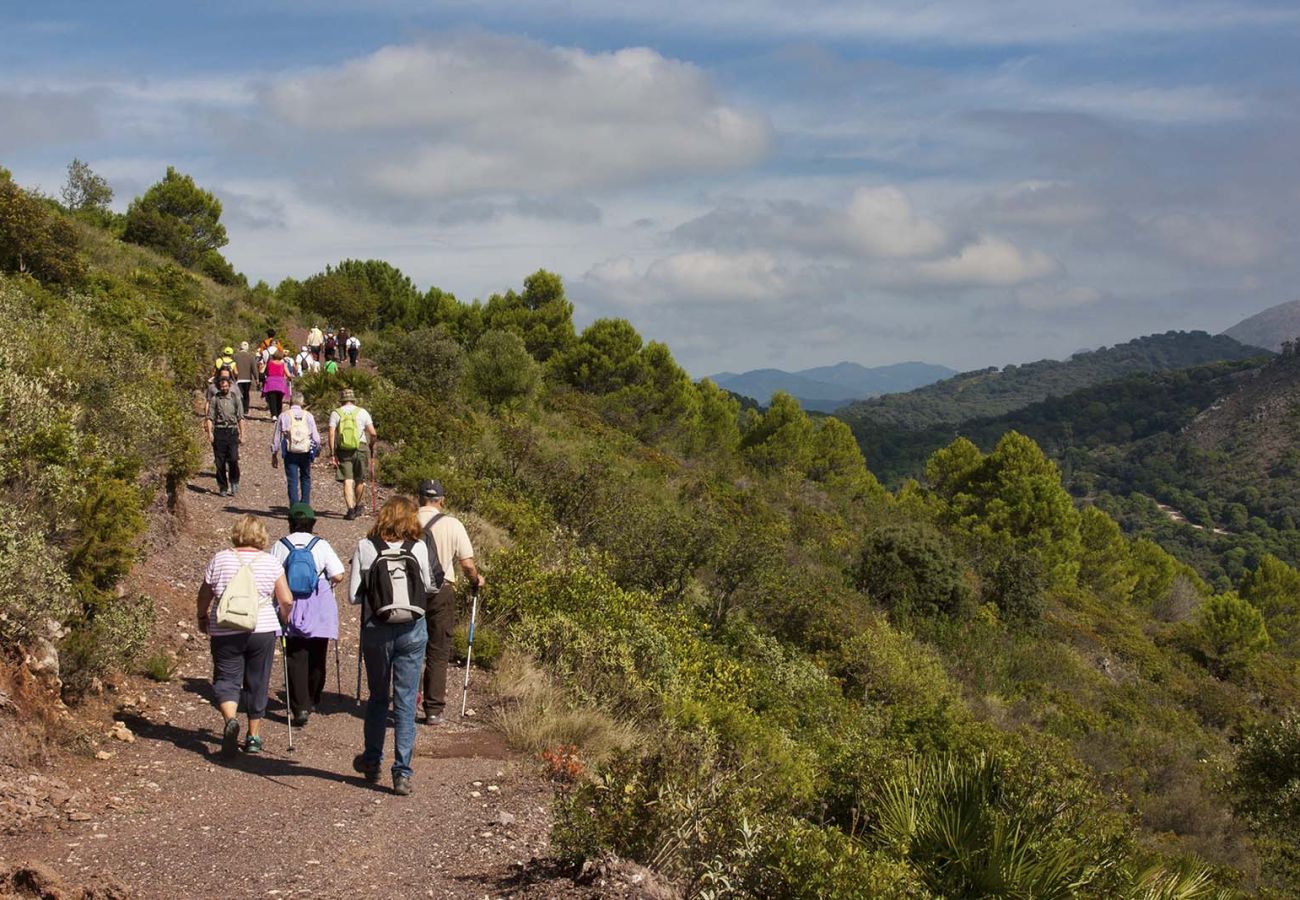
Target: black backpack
393,585
435,565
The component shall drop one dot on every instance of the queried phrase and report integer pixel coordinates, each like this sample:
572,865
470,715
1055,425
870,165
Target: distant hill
827,388
995,392
1269,328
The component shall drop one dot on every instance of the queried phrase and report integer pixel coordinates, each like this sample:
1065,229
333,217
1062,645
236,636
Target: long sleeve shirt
281,432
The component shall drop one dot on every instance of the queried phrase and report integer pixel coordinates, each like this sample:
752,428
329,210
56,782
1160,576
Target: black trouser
243,392
441,619
225,453
274,403
241,669
352,357
307,667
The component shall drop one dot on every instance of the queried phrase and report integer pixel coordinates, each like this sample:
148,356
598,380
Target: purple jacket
275,380
316,616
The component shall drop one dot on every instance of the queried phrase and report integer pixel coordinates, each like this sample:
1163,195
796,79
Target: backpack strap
288,543
312,543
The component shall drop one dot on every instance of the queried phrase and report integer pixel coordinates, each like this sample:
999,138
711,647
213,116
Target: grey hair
296,399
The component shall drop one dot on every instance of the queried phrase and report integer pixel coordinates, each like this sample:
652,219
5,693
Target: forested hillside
995,392
827,388
745,663
1269,328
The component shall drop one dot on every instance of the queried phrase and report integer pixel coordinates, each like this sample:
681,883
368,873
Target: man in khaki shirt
446,536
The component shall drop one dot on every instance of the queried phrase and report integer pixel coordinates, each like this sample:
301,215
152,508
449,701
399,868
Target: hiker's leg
227,671
304,477
291,466
349,493
299,697
233,454
408,654
243,393
258,659
220,457
318,654
376,648
441,620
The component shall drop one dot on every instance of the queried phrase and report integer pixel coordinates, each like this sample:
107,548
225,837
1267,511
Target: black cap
431,489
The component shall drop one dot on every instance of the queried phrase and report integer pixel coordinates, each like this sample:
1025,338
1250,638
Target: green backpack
331,367
349,435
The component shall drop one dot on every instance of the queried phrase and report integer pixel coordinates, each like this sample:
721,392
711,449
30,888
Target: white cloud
987,262
702,277
476,113
1047,204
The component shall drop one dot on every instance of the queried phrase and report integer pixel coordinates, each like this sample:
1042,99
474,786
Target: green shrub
912,571
425,361
501,372
1233,632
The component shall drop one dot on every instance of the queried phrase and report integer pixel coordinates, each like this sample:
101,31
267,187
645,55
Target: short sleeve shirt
363,420
266,572
450,539
327,560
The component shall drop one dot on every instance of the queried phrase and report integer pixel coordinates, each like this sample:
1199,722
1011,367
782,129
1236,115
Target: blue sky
757,183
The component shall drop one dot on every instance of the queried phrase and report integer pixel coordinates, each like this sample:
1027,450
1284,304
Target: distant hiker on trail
247,584
276,382
448,543
225,361
245,371
352,444
331,364
390,579
354,348
314,339
223,372
224,427
267,342
312,568
296,439
330,346
306,362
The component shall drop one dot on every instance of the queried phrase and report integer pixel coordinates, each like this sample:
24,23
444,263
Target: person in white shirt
352,444
447,540
353,347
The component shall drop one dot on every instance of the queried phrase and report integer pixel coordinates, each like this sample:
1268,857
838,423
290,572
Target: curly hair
398,520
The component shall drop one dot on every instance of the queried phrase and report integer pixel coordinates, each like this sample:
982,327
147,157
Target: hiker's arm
472,572
201,607
334,456
336,580
207,422
283,597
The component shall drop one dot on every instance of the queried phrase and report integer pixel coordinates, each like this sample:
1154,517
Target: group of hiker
256,594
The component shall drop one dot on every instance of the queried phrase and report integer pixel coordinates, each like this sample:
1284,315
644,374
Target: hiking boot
300,718
234,489
230,738
401,784
252,744
370,772
432,719
222,492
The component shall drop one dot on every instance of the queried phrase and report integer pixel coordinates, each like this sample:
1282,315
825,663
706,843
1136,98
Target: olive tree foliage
84,190
35,240
177,217
426,361
501,371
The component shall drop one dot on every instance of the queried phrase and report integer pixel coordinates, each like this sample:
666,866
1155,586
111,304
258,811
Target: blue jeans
393,653
297,468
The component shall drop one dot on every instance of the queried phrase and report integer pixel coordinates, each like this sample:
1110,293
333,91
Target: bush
35,240
1233,632
911,570
500,370
426,361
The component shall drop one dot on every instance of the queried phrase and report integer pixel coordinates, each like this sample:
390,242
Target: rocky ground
148,808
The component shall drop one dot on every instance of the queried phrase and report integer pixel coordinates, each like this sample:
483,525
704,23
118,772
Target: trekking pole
338,671
469,649
288,703
374,489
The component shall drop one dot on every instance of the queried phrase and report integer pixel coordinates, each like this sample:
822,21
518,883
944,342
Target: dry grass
534,715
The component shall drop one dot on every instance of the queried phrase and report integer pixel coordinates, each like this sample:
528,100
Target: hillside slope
1268,329
993,392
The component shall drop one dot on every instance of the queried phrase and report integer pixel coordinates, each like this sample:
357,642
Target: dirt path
166,816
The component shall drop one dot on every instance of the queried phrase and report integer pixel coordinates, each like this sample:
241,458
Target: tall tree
84,190
177,217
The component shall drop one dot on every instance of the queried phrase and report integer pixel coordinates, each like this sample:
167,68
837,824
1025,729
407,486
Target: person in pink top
241,660
275,384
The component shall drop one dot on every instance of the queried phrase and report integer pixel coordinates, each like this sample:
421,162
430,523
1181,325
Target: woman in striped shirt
244,658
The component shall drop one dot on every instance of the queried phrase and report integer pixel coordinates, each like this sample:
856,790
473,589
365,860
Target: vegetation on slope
994,392
753,668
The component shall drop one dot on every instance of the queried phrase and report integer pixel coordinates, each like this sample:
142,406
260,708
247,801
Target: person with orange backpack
352,444
296,439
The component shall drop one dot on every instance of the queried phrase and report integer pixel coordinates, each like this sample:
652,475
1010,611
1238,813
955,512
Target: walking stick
469,649
374,489
338,672
288,703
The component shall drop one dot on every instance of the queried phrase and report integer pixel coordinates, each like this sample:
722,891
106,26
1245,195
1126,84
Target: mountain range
827,388
1269,328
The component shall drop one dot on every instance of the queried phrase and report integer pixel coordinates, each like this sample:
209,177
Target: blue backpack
300,569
